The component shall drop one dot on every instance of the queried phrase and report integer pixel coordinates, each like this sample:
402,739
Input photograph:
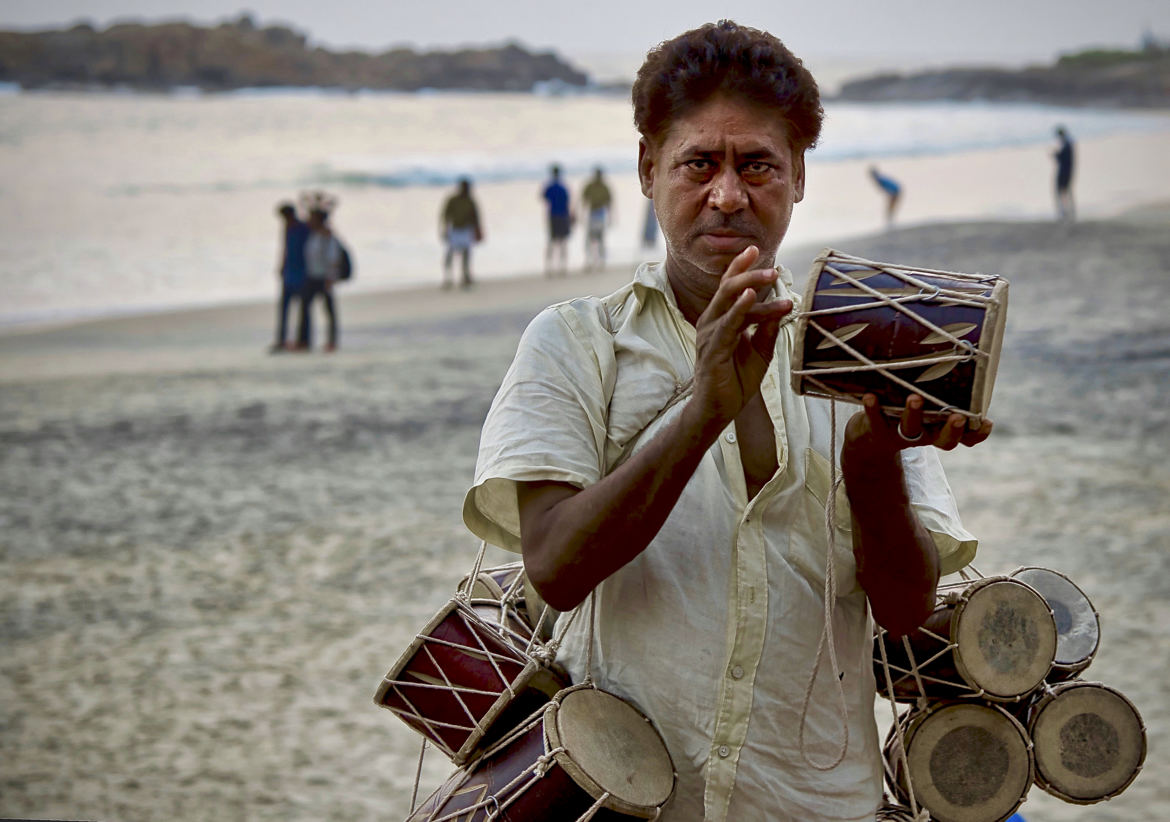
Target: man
1065,210
647,449
598,202
291,273
560,220
460,228
323,269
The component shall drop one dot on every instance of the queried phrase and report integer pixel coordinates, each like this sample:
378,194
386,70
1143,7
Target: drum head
1078,630
968,762
1089,742
610,747
1005,637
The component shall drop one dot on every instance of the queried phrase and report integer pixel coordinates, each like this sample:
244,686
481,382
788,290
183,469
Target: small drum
994,638
892,331
1078,628
1089,741
966,761
587,755
465,681
505,594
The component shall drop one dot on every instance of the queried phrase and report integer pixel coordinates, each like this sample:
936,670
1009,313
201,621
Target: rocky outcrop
1103,79
240,54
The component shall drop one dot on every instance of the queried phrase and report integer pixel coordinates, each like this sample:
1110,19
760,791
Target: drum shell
1082,760
1078,625
558,791
1023,634
445,679
510,587
889,335
1009,755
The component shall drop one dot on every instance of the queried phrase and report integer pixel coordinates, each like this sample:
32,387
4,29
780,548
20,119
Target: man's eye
700,164
756,168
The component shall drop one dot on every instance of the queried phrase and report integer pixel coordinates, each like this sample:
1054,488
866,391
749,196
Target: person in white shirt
646,450
323,268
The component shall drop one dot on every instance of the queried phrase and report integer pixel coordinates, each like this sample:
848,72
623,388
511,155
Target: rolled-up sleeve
935,506
546,423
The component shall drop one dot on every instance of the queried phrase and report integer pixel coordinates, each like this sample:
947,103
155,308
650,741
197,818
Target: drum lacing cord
920,814
884,370
830,595
418,774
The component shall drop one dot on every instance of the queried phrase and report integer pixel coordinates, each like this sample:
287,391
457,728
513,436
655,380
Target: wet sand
210,556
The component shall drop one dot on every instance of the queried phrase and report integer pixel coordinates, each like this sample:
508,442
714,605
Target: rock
241,54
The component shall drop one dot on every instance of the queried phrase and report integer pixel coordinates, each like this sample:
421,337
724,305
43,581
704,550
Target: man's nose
728,192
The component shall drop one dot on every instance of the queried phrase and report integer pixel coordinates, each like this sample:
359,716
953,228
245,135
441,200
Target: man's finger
979,435
910,425
951,433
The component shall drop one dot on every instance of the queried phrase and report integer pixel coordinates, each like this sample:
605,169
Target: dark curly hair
682,73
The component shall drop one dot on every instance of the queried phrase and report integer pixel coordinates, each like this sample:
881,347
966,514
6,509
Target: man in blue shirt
291,273
560,220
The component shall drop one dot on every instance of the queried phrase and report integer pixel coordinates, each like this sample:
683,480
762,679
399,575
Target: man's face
723,177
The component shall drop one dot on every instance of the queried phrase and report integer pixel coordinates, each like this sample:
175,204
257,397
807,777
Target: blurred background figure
460,228
598,202
1065,211
892,191
560,221
291,273
323,261
650,227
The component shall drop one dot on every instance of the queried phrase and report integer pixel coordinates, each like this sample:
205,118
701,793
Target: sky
885,33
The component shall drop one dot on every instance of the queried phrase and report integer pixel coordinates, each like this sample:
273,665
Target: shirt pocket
817,482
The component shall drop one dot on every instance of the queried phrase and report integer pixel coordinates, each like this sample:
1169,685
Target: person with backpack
326,262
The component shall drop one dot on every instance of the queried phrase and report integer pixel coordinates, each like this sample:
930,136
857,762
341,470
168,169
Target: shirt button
724,751
730,437
737,672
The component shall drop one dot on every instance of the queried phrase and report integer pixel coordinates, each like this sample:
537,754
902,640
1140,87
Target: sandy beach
210,556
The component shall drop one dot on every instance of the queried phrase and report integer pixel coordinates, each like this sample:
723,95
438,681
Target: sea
115,203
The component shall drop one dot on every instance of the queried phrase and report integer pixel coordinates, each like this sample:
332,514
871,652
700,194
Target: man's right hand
735,340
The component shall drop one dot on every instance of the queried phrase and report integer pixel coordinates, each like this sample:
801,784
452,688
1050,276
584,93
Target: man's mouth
723,240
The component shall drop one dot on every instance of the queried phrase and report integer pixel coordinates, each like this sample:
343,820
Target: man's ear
798,179
647,157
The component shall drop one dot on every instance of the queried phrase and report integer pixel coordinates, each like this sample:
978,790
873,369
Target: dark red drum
1078,627
994,638
893,330
1088,739
587,755
966,761
465,681
505,595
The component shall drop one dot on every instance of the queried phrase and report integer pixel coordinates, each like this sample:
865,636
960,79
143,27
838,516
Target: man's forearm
897,562
583,537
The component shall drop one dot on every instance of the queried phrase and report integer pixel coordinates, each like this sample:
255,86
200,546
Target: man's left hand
872,430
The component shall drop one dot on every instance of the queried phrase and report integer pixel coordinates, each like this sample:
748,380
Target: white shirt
322,256
713,629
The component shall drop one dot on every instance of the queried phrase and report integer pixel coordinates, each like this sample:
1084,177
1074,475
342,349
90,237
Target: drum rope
418,774
881,369
914,809
595,807
468,585
830,595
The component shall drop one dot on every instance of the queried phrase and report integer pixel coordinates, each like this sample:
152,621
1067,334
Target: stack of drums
479,682
999,705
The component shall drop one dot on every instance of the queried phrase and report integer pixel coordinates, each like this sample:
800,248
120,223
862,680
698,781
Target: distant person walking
323,261
560,221
893,192
291,274
1065,209
460,228
598,202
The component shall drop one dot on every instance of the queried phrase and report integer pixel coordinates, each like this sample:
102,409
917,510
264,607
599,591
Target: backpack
346,270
